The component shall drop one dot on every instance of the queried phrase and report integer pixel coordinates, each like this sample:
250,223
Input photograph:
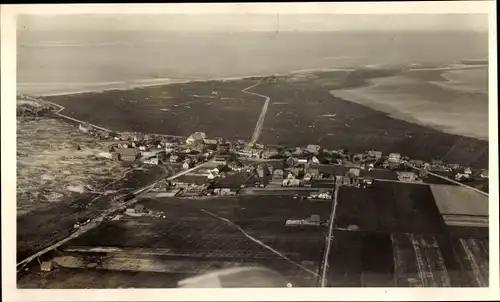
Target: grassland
58,185
48,163
177,109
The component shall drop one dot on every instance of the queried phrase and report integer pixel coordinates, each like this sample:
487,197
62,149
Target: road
329,238
96,221
61,108
262,117
449,180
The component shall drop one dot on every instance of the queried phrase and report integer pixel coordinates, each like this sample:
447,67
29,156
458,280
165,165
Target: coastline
99,87
367,95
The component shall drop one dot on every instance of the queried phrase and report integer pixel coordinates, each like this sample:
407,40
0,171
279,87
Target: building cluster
300,164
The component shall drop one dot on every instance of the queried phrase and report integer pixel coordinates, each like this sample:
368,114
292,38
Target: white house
315,160
394,158
196,137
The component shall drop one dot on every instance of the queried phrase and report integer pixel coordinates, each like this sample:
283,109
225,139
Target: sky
257,22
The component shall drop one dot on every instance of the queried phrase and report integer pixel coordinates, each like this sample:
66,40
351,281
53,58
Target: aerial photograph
252,150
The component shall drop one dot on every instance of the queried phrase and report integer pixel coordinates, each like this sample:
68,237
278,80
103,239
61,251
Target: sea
60,61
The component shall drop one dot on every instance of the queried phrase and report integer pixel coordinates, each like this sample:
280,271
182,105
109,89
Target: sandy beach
55,89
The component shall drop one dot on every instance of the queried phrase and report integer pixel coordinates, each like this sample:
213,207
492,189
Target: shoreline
99,87
356,95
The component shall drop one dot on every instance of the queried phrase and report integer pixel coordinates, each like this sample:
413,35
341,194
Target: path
262,117
96,221
324,263
61,108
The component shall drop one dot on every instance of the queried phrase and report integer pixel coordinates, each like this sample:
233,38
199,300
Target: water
88,57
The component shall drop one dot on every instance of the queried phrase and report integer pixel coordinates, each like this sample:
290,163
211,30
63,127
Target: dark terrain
295,116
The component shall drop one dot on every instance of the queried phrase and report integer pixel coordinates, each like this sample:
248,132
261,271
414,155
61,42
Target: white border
8,122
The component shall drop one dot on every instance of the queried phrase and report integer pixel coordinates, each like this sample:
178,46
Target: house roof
127,151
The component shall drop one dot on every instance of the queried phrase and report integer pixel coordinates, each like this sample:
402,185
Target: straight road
329,238
262,117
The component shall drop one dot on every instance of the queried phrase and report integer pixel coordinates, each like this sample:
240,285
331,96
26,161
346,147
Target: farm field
192,228
368,259
390,207
214,107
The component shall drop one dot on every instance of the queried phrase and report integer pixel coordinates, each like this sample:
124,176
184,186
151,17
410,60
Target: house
263,171
314,161
139,208
46,266
211,175
354,172
314,218
278,173
436,162
221,159
308,177
346,181
416,163
313,149
484,174
296,171
372,154
107,155
215,171
196,138
291,183
357,158
313,171
291,161
128,154
468,171
407,176
186,165
84,128
302,160
225,192
268,154
175,159
394,158
152,161
210,144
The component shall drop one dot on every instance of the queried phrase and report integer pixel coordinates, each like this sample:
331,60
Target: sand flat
455,111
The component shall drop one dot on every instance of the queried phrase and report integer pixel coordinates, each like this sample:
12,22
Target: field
395,236
178,109
390,207
188,234
48,164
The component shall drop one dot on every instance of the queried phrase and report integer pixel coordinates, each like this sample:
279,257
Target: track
262,117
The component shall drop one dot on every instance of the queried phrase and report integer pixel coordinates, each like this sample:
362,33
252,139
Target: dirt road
262,117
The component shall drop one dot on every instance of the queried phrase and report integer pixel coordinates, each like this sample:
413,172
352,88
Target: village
230,168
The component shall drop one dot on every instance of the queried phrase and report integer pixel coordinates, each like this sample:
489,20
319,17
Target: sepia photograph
259,149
